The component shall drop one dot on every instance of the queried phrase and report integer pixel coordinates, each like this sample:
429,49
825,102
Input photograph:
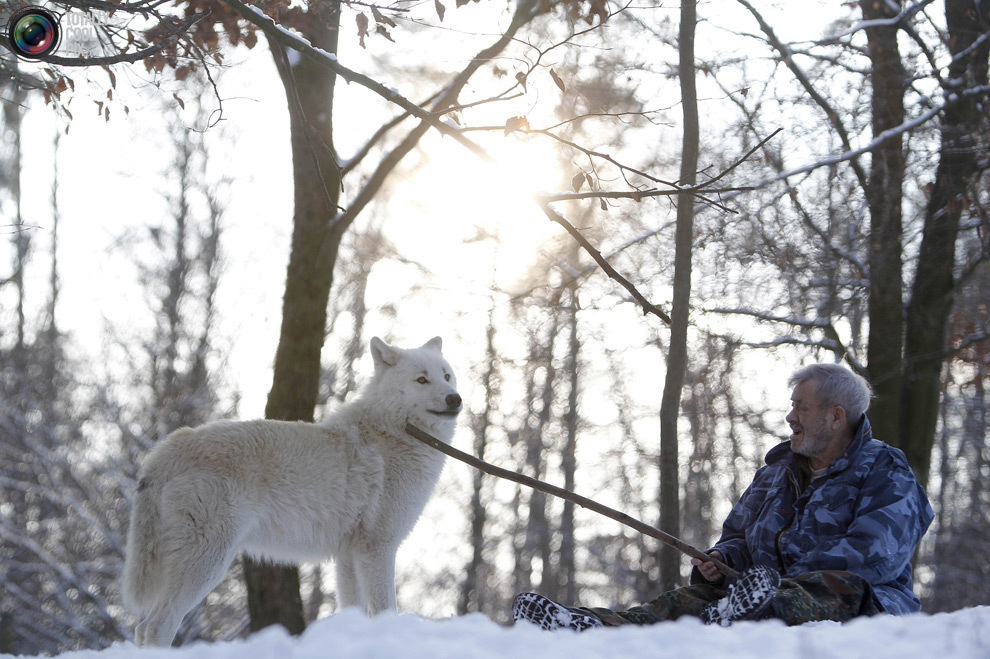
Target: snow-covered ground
957,635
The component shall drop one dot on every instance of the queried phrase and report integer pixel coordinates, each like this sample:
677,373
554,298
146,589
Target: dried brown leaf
380,29
578,181
516,123
382,18
362,24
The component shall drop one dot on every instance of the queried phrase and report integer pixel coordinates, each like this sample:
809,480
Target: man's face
810,434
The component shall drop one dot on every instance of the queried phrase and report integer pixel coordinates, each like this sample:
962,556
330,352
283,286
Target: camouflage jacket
865,515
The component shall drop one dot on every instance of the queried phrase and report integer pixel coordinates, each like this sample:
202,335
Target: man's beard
814,441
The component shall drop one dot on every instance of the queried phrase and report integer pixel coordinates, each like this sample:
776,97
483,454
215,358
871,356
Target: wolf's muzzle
453,406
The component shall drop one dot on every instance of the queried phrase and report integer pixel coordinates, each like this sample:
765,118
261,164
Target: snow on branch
900,17
890,133
832,342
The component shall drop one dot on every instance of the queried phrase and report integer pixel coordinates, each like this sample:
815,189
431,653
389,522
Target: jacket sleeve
891,516
732,544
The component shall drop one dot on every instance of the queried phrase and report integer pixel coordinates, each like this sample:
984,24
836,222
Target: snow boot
551,616
749,596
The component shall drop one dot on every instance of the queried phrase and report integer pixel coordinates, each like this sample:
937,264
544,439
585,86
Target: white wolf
351,488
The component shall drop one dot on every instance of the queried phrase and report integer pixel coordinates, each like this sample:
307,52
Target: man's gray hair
837,385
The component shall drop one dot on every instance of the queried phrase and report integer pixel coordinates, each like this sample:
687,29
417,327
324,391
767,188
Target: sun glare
492,202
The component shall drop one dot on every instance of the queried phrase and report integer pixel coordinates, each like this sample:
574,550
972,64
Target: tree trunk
273,591
934,288
566,575
473,584
21,237
883,196
52,354
677,352
538,532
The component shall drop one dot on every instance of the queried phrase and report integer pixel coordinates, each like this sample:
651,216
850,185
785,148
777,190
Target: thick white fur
351,488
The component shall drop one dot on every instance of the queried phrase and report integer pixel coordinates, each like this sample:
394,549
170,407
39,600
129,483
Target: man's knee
824,595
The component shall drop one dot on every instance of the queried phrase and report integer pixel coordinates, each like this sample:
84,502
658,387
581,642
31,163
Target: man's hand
708,569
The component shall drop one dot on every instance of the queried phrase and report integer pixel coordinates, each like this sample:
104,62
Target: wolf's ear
436,343
383,354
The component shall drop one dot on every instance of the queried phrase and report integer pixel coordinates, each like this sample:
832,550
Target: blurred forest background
859,232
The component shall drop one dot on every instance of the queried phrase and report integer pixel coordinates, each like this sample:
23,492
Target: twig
136,56
584,502
646,305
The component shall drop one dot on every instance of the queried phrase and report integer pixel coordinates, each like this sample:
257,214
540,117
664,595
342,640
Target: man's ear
436,343
838,417
383,355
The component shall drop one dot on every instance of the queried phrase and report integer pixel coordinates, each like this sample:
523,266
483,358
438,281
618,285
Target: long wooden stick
584,502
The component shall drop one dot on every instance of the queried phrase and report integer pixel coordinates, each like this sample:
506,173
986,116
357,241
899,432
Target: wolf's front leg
376,571
348,587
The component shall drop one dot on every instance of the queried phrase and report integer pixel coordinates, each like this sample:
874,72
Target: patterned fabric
551,616
823,595
687,601
864,515
747,598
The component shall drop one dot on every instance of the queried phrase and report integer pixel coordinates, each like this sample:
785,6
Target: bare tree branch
136,56
832,343
830,112
907,126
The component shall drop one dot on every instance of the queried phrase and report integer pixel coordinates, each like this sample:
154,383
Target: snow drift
958,635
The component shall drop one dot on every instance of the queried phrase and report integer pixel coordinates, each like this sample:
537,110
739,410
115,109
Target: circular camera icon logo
34,32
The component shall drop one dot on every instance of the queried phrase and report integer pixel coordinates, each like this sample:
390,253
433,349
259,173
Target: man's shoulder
883,455
886,473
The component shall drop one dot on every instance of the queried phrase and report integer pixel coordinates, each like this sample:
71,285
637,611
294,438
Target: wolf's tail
142,563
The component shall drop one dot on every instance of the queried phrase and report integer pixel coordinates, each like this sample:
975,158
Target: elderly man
825,531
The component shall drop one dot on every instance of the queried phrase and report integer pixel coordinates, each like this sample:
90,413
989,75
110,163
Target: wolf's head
414,385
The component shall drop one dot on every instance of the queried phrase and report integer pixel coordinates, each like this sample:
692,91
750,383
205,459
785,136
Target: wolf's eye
446,376
422,380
